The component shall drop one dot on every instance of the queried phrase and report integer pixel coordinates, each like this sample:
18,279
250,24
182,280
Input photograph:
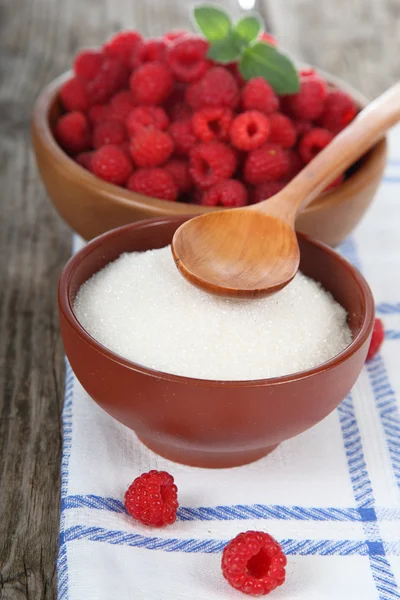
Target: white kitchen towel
331,496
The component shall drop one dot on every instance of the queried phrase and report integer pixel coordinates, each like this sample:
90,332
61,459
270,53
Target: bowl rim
67,311
128,199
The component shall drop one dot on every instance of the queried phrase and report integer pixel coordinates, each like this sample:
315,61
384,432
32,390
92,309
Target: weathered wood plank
354,39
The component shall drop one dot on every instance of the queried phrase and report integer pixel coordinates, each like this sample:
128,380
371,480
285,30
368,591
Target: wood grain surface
354,39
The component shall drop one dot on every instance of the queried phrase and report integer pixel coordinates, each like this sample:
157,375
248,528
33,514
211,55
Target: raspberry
283,131
179,169
173,35
212,123
266,190
339,111
152,498
87,63
99,113
84,159
182,133
151,83
295,164
74,95
335,183
378,335
109,132
211,162
122,46
302,127
254,563
187,58
72,132
309,102
176,106
126,149
112,77
268,38
230,193
121,105
313,142
111,164
234,69
148,51
144,116
217,87
151,147
156,183
249,130
257,94
268,163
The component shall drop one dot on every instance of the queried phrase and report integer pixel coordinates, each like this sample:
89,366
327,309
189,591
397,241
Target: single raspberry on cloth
254,563
152,499
378,335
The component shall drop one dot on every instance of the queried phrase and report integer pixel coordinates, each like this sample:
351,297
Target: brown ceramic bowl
202,422
91,206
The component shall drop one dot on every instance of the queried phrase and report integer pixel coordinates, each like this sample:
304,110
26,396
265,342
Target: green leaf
263,60
226,50
249,27
214,23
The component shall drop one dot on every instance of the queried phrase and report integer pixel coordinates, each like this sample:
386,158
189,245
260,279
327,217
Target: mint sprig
240,42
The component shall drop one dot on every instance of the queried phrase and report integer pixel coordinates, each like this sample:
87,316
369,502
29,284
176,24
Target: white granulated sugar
140,307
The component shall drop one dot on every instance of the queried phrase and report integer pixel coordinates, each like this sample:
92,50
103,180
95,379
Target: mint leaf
214,23
249,27
263,60
224,51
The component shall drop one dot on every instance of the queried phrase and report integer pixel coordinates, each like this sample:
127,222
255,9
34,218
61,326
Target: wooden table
354,39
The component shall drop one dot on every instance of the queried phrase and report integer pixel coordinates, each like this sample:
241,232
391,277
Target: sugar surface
140,307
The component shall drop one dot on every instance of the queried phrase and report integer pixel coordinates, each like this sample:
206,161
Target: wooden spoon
253,251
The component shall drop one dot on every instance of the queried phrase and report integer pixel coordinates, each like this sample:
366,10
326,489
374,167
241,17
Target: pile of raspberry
158,117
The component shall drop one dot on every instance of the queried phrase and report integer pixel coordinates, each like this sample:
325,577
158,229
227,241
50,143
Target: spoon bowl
221,263
253,251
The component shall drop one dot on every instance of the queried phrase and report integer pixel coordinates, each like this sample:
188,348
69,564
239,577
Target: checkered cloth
331,496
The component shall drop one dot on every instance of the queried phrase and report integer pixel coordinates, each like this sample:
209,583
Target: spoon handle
348,146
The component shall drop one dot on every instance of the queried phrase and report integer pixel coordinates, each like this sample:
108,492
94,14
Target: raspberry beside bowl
92,206
203,422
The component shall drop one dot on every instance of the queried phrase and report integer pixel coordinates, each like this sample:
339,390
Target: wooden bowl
91,206
203,422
